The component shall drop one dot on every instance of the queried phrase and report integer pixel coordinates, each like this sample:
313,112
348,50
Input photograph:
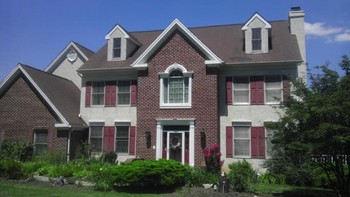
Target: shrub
53,157
11,169
212,159
270,178
151,173
199,176
103,176
29,168
15,150
109,157
83,151
241,176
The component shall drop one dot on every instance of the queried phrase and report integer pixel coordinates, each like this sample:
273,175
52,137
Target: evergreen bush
242,176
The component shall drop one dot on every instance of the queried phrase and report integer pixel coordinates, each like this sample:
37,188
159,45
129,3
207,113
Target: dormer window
256,39
116,47
256,35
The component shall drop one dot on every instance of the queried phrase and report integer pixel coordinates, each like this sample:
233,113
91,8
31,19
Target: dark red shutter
229,142
229,99
257,90
88,94
258,142
110,94
286,88
133,93
108,139
132,140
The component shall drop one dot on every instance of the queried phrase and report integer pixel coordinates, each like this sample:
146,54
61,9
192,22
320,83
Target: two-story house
170,93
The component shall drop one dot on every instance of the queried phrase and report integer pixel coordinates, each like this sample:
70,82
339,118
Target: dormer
121,44
256,35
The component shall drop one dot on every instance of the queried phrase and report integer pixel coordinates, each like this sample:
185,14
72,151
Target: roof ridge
79,45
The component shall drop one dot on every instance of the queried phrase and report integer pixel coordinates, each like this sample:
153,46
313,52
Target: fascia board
256,15
64,51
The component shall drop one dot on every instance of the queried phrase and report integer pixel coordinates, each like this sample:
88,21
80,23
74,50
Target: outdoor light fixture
148,139
203,139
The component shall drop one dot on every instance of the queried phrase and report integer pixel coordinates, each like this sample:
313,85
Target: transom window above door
175,87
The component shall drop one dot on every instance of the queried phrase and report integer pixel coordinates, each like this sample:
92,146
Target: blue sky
35,32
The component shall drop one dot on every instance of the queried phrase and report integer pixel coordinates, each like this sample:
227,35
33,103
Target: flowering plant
212,158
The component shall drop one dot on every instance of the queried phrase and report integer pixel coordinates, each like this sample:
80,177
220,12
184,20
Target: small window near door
40,141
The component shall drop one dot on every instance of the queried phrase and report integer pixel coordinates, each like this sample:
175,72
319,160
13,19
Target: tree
315,129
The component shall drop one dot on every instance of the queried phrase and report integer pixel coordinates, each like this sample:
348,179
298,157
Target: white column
191,160
159,141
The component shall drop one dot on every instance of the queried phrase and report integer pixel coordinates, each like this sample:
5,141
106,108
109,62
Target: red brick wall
177,49
22,111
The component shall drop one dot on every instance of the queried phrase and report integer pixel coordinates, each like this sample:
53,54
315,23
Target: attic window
256,39
116,47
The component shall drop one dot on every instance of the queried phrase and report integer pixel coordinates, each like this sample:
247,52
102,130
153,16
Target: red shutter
132,140
258,142
257,90
108,139
229,142
110,94
229,99
286,88
133,93
88,94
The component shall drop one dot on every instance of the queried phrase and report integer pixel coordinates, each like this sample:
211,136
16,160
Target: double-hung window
273,89
269,135
175,90
123,92
122,139
241,90
116,47
40,141
241,143
96,137
256,39
98,93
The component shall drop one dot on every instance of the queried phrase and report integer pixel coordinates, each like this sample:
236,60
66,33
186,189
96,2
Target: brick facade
22,111
177,49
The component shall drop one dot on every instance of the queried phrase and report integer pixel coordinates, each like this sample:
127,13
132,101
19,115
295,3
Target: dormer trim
124,32
256,15
140,62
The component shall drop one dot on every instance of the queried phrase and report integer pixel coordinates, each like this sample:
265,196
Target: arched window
176,87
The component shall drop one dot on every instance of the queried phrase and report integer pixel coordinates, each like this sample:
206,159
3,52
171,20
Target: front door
176,146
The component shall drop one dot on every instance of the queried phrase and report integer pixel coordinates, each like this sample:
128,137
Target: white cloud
344,37
331,34
320,29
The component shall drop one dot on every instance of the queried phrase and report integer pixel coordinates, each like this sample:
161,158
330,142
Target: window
122,139
241,141
175,90
241,90
256,39
123,92
273,89
40,141
98,93
116,47
96,138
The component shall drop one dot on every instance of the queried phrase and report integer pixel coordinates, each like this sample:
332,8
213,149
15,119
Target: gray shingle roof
62,93
226,41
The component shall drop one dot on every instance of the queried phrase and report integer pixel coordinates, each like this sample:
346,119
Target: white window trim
92,92
233,90
117,94
242,123
252,40
96,124
166,74
281,89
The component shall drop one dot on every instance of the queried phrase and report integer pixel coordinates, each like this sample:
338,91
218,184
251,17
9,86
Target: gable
176,25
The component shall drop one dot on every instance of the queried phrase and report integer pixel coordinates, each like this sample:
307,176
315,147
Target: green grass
291,191
27,189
